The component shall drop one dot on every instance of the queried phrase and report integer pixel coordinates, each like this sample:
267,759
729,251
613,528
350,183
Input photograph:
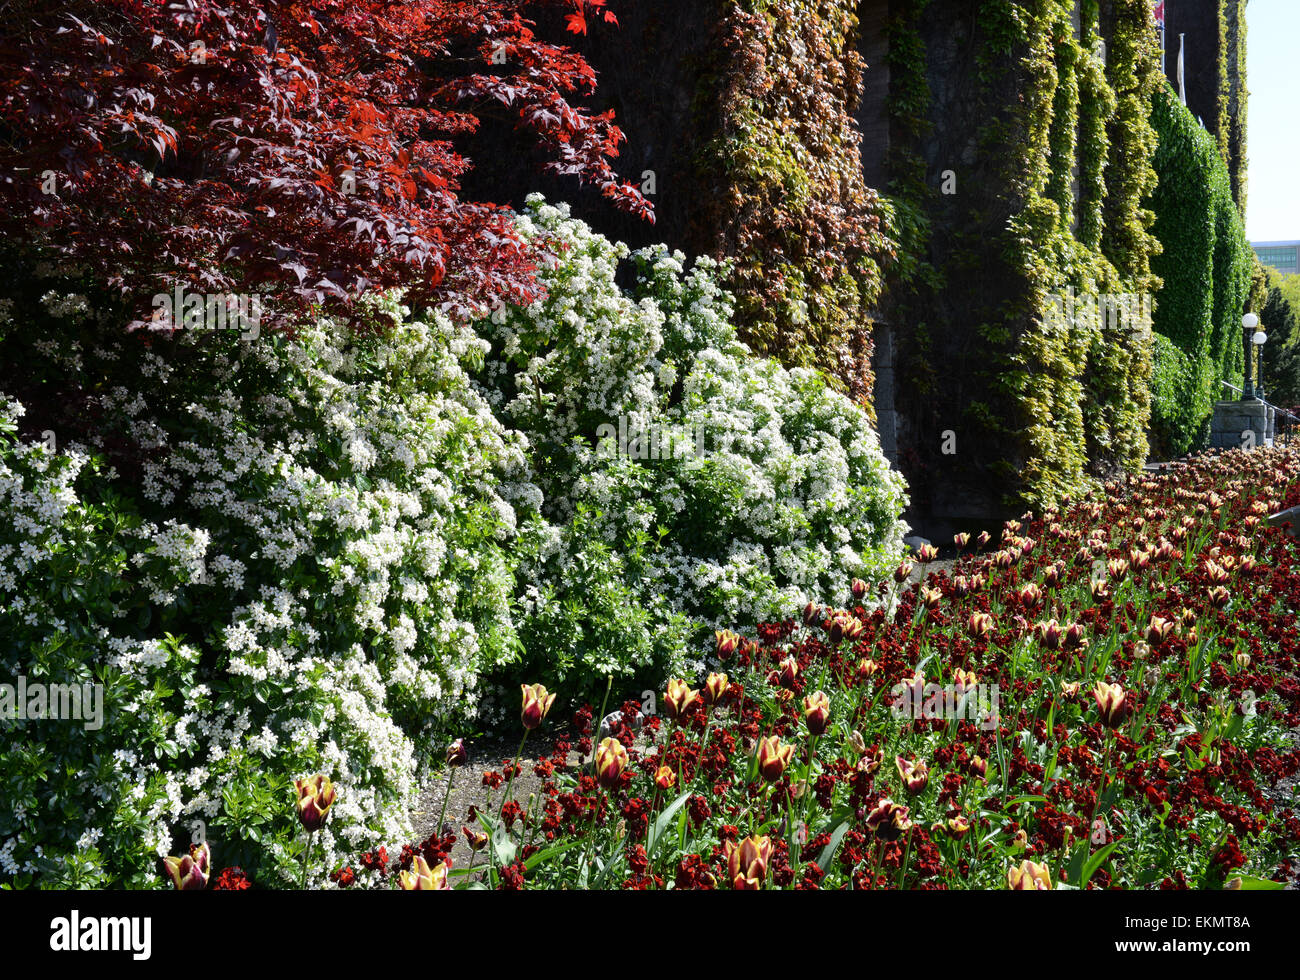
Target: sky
1273,120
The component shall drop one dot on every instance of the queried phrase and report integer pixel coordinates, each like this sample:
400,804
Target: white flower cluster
788,500
317,569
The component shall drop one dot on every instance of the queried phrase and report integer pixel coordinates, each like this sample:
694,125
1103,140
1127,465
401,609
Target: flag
1182,88
1159,12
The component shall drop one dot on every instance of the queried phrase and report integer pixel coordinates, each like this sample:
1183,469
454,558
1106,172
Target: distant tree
303,150
1280,355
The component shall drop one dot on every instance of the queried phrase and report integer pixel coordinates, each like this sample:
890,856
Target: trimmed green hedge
1206,271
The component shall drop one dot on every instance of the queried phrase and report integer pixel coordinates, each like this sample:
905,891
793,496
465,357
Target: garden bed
1143,648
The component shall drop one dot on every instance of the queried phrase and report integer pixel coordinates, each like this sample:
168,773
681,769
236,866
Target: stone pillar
1241,425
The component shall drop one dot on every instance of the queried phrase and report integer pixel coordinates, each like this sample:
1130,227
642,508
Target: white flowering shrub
303,567
774,491
321,553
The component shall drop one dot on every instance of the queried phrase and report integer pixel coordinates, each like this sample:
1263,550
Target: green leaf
655,837
828,852
1249,883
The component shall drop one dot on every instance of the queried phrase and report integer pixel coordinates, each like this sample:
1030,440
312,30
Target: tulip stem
513,769
880,856
451,774
907,857
604,703
311,836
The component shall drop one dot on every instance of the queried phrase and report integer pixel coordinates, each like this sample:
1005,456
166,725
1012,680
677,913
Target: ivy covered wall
741,115
1009,393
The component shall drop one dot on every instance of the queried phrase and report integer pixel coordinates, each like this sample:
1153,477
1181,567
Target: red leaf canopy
304,151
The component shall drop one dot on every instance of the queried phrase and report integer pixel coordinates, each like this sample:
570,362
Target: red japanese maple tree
302,150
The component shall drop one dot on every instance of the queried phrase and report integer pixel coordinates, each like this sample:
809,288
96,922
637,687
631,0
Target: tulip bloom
1029,877
536,705
315,797
961,540
190,873
477,839
611,760
789,670
888,820
1158,630
927,553
665,777
964,680
811,613
870,762
747,862
980,624
959,825
715,687
1111,703
859,589
422,878
914,775
903,572
867,667
931,597
1073,638
456,754
679,698
816,712
1049,633
725,642
773,757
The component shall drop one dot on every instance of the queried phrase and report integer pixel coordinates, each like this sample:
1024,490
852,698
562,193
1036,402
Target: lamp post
1250,323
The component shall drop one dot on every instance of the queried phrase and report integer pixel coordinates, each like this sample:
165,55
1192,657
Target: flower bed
1125,675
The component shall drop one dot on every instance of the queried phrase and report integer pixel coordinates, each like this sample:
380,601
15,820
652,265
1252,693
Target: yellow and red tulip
888,820
816,712
914,774
422,878
1029,876
773,757
315,797
611,760
665,777
725,642
1111,703
536,704
190,873
747,862
679,698
715,687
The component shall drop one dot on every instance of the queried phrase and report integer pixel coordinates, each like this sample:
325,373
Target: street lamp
1249,323
1257,339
